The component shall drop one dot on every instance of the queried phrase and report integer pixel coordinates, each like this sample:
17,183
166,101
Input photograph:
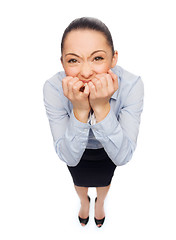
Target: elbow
71,164
125,160
66,156
123,157
69,160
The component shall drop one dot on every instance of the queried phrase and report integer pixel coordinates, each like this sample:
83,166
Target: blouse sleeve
70,136
118,135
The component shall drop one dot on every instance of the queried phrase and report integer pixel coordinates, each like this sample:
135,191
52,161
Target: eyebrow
90,54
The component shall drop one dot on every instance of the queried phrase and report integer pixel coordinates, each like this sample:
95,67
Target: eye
72,61
98,59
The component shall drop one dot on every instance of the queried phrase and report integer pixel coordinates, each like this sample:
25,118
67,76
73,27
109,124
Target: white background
37,198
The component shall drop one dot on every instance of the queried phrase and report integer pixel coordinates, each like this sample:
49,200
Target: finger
110,87
71,83
115,79
86,90
92,89
77,87
97,83
65,84
103,79
113,75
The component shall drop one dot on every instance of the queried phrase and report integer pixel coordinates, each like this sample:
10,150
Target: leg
82,193
99,205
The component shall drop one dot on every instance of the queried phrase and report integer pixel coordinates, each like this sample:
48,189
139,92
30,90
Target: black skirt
95,169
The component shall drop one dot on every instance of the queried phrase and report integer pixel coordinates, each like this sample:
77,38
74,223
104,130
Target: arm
119,136
70,135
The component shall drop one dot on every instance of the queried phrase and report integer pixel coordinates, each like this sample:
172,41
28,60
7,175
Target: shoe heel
99,221
84,220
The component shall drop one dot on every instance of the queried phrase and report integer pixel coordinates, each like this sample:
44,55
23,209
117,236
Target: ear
114,59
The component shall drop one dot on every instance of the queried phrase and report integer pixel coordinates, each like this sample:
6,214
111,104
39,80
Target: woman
94,109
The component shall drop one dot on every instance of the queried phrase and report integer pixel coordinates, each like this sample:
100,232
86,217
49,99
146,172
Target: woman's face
87,53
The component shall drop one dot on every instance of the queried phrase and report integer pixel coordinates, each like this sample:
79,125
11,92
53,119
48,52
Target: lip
85,81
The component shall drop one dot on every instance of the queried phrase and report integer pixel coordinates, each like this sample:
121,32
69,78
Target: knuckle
92,85
98,83
66,78
109,76
74,88
64,81
70,84
115,77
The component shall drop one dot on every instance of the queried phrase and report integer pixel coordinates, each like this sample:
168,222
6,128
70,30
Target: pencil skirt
95,169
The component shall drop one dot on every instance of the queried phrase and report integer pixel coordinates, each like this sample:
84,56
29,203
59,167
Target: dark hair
88,23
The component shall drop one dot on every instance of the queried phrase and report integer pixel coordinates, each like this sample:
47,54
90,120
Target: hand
73,90
102,87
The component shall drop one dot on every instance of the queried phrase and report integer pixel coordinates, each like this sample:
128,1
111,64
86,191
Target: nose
86,71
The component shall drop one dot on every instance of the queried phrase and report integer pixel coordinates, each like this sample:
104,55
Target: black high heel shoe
84,220
99,221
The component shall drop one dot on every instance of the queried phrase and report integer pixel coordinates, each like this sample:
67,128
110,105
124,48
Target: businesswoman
94,108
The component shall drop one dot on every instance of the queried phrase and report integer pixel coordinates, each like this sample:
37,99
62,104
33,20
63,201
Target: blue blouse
116,133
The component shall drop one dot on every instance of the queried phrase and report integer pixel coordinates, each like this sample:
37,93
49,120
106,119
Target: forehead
85,41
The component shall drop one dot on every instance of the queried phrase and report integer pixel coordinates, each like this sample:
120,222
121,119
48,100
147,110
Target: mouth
85,81
82,89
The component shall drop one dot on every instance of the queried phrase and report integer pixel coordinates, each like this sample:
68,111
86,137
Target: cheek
73,72
102,68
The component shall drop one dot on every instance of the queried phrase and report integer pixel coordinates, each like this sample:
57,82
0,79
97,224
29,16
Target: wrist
101,112
81,115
